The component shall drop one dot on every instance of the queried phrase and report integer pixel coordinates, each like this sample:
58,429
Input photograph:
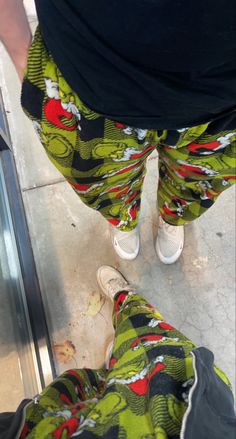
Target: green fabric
143,394
105,162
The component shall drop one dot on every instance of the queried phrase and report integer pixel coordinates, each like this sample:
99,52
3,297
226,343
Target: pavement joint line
31,188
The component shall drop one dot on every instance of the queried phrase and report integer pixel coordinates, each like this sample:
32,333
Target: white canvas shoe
169,242
111,281
126,244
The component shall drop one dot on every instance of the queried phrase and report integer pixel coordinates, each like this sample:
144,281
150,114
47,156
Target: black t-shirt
146,63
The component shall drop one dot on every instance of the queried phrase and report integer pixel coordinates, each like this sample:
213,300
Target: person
107,83
156,384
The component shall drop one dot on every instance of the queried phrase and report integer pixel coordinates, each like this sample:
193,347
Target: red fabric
54,112
70,426
141,387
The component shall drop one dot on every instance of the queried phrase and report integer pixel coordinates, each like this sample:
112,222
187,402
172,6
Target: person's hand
15,33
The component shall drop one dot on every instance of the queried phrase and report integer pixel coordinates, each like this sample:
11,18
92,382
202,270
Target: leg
139,327
64,403
151,365
194,173
103,161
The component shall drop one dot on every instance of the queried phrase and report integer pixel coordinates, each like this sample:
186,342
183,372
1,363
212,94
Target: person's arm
15,32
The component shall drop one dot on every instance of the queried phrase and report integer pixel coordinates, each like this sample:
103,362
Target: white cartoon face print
52,89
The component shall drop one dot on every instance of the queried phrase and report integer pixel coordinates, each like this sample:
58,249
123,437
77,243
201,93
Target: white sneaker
169,242
126,244
111,281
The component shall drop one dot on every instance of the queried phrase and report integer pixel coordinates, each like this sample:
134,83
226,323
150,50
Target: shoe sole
99,281
122,254
171,259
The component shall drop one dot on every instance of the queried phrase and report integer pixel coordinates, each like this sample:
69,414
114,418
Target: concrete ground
70,241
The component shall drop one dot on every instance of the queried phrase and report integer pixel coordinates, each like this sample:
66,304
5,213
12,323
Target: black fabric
170,350
212,415
32,99
112,433
159,64
165,385
11,422
91,129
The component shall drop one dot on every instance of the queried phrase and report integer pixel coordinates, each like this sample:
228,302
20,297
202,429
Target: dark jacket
210,413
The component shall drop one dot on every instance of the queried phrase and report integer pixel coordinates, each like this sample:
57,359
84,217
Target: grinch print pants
105,161
143,394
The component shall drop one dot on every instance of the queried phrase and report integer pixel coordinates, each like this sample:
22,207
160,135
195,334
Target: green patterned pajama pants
142,395
105,161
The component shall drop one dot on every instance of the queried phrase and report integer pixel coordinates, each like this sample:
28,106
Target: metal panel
30,303
33,298
4,131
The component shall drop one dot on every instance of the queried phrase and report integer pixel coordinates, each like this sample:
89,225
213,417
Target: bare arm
15,32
